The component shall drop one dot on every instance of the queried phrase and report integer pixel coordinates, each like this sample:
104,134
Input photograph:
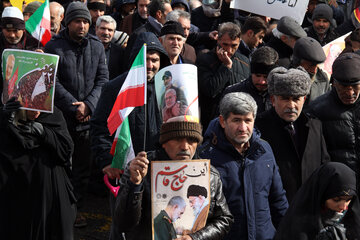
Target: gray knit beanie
77,10
289,82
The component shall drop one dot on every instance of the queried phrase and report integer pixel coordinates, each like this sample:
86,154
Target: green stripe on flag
139,60
35,19
122,146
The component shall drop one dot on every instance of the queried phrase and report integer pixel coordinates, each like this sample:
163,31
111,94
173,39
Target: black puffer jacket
81,74
341,126
133,209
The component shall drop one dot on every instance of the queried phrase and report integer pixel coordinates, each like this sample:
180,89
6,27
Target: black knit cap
263,60
77,10
323,11
196,190
172,27
309,49
346,69
182,129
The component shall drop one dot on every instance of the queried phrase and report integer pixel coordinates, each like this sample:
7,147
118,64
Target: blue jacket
251,183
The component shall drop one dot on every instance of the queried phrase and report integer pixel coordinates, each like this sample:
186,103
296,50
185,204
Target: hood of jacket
152,44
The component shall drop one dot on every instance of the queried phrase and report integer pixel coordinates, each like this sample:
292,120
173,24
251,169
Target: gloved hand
9,109
31,129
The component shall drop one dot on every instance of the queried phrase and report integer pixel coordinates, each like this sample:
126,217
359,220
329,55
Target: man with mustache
250,175
295,137
339,111
308,53
105,29
263,60
132,215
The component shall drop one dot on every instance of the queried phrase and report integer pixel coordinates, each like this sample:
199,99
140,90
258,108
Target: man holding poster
179,141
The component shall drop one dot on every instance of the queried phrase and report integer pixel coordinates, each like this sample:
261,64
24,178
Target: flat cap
346,69
309,49
289,82
289,26
172,27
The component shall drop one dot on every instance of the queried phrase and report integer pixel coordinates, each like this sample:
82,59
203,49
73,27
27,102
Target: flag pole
39,39
145,100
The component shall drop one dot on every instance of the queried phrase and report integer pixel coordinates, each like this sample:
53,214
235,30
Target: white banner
274,8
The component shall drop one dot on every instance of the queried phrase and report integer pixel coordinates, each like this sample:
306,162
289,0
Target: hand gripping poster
176,92
30,78
180,193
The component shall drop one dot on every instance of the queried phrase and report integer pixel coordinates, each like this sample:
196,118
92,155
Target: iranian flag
132,94
38,25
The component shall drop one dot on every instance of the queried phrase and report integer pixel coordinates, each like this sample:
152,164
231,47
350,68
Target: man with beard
296,138
339,111
178,141
13,35
308,53
105,30
173,107
56,16
263,60
250,176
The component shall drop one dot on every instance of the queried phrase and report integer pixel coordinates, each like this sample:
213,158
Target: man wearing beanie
250,176
13,34
172,37
308,53
221,67
322,28
30,9
263,60
295,137
178,141
339,112
82,71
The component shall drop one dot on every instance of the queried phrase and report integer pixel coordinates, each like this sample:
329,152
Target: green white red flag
38,25
132,94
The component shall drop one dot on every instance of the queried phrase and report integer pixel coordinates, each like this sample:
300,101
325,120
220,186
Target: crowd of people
282,136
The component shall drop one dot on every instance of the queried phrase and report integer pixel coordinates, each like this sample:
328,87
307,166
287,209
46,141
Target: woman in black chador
325,207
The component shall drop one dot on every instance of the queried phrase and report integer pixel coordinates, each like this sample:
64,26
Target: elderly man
284,37
219,68
172,38
13,35
178,141
105,29
295,137
250,175
56,16
339,110
308,53
198,200
263,60
81,73
322,28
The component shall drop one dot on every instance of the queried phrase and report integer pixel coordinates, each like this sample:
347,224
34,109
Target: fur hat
196,190
77,10
171,130
172,27
12,17
288,82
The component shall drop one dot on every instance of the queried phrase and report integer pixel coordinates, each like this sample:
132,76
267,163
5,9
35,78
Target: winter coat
82,71
251,183
36,196
295,163
262,99
115,60
214,77
329,36
341,124
133,207
285,52
101,139
319,86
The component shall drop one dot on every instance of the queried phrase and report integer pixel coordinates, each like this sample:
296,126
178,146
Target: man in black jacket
219,68
295,138
82,71
339,112
132,214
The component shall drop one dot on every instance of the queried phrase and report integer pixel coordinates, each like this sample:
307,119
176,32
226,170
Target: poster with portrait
274,8
177,92
180,193
30,77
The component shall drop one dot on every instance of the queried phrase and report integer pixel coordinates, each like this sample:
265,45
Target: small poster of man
176,91
180,197
30,77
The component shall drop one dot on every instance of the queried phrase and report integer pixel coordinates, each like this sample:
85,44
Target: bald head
57,15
